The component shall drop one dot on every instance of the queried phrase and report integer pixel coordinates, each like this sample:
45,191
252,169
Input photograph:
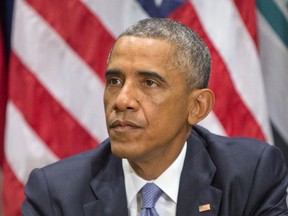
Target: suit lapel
195,188
109,188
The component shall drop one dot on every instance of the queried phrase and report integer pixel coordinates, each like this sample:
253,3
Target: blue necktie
150,194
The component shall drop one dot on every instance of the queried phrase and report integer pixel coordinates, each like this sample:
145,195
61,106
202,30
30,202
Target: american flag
58,59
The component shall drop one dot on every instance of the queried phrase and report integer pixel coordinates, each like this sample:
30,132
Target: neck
152,169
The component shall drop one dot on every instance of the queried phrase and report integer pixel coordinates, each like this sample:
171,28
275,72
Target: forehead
132,56
141,41
142,49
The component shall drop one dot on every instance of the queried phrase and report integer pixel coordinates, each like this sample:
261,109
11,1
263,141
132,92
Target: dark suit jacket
236,177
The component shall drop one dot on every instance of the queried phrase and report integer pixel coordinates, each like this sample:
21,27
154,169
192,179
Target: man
156,92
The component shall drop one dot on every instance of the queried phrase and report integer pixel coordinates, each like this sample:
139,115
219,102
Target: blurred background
52,64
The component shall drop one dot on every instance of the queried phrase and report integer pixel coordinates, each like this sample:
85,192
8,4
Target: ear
201,104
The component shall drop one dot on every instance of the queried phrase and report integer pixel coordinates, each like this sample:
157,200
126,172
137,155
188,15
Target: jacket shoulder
238,158
64,186
97,156
247,170
231,148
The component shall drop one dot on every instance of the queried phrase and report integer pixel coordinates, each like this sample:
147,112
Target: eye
114,81
150,83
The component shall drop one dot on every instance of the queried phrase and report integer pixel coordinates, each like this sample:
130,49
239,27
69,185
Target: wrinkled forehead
146,49
146,45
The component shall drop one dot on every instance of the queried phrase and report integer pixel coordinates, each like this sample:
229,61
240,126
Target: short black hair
191,54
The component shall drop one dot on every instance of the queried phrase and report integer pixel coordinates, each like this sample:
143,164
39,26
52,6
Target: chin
119,149
123,151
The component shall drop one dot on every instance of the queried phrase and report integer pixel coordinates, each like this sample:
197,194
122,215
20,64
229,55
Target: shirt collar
134,183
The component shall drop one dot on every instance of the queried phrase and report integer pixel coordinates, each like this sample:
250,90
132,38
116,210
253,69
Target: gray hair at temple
191,55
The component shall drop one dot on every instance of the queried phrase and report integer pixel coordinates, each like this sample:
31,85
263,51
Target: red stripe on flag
13,192
56,127
247,10
229,107
80,28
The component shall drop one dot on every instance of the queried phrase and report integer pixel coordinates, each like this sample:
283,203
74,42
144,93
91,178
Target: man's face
146,101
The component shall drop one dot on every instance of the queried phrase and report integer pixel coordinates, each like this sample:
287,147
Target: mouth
123,125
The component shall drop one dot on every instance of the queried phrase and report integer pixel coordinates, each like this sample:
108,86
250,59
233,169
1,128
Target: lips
123,124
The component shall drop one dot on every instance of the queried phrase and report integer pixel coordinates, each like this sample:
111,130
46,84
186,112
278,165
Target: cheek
170,111
158,114
108,100
105,99
108,108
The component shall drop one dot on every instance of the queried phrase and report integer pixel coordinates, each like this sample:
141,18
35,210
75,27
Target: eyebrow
112,72
152,74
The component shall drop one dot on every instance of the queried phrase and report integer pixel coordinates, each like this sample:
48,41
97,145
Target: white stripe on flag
66,76
117,15
223,24
212,123
25,150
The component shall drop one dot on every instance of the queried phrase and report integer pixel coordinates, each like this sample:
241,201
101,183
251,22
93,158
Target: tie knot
150,194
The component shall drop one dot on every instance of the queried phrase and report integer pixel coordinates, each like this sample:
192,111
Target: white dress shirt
168,181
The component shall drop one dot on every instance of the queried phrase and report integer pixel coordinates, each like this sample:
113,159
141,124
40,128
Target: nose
127,98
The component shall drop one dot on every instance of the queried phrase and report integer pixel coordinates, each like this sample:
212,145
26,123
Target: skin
149,111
